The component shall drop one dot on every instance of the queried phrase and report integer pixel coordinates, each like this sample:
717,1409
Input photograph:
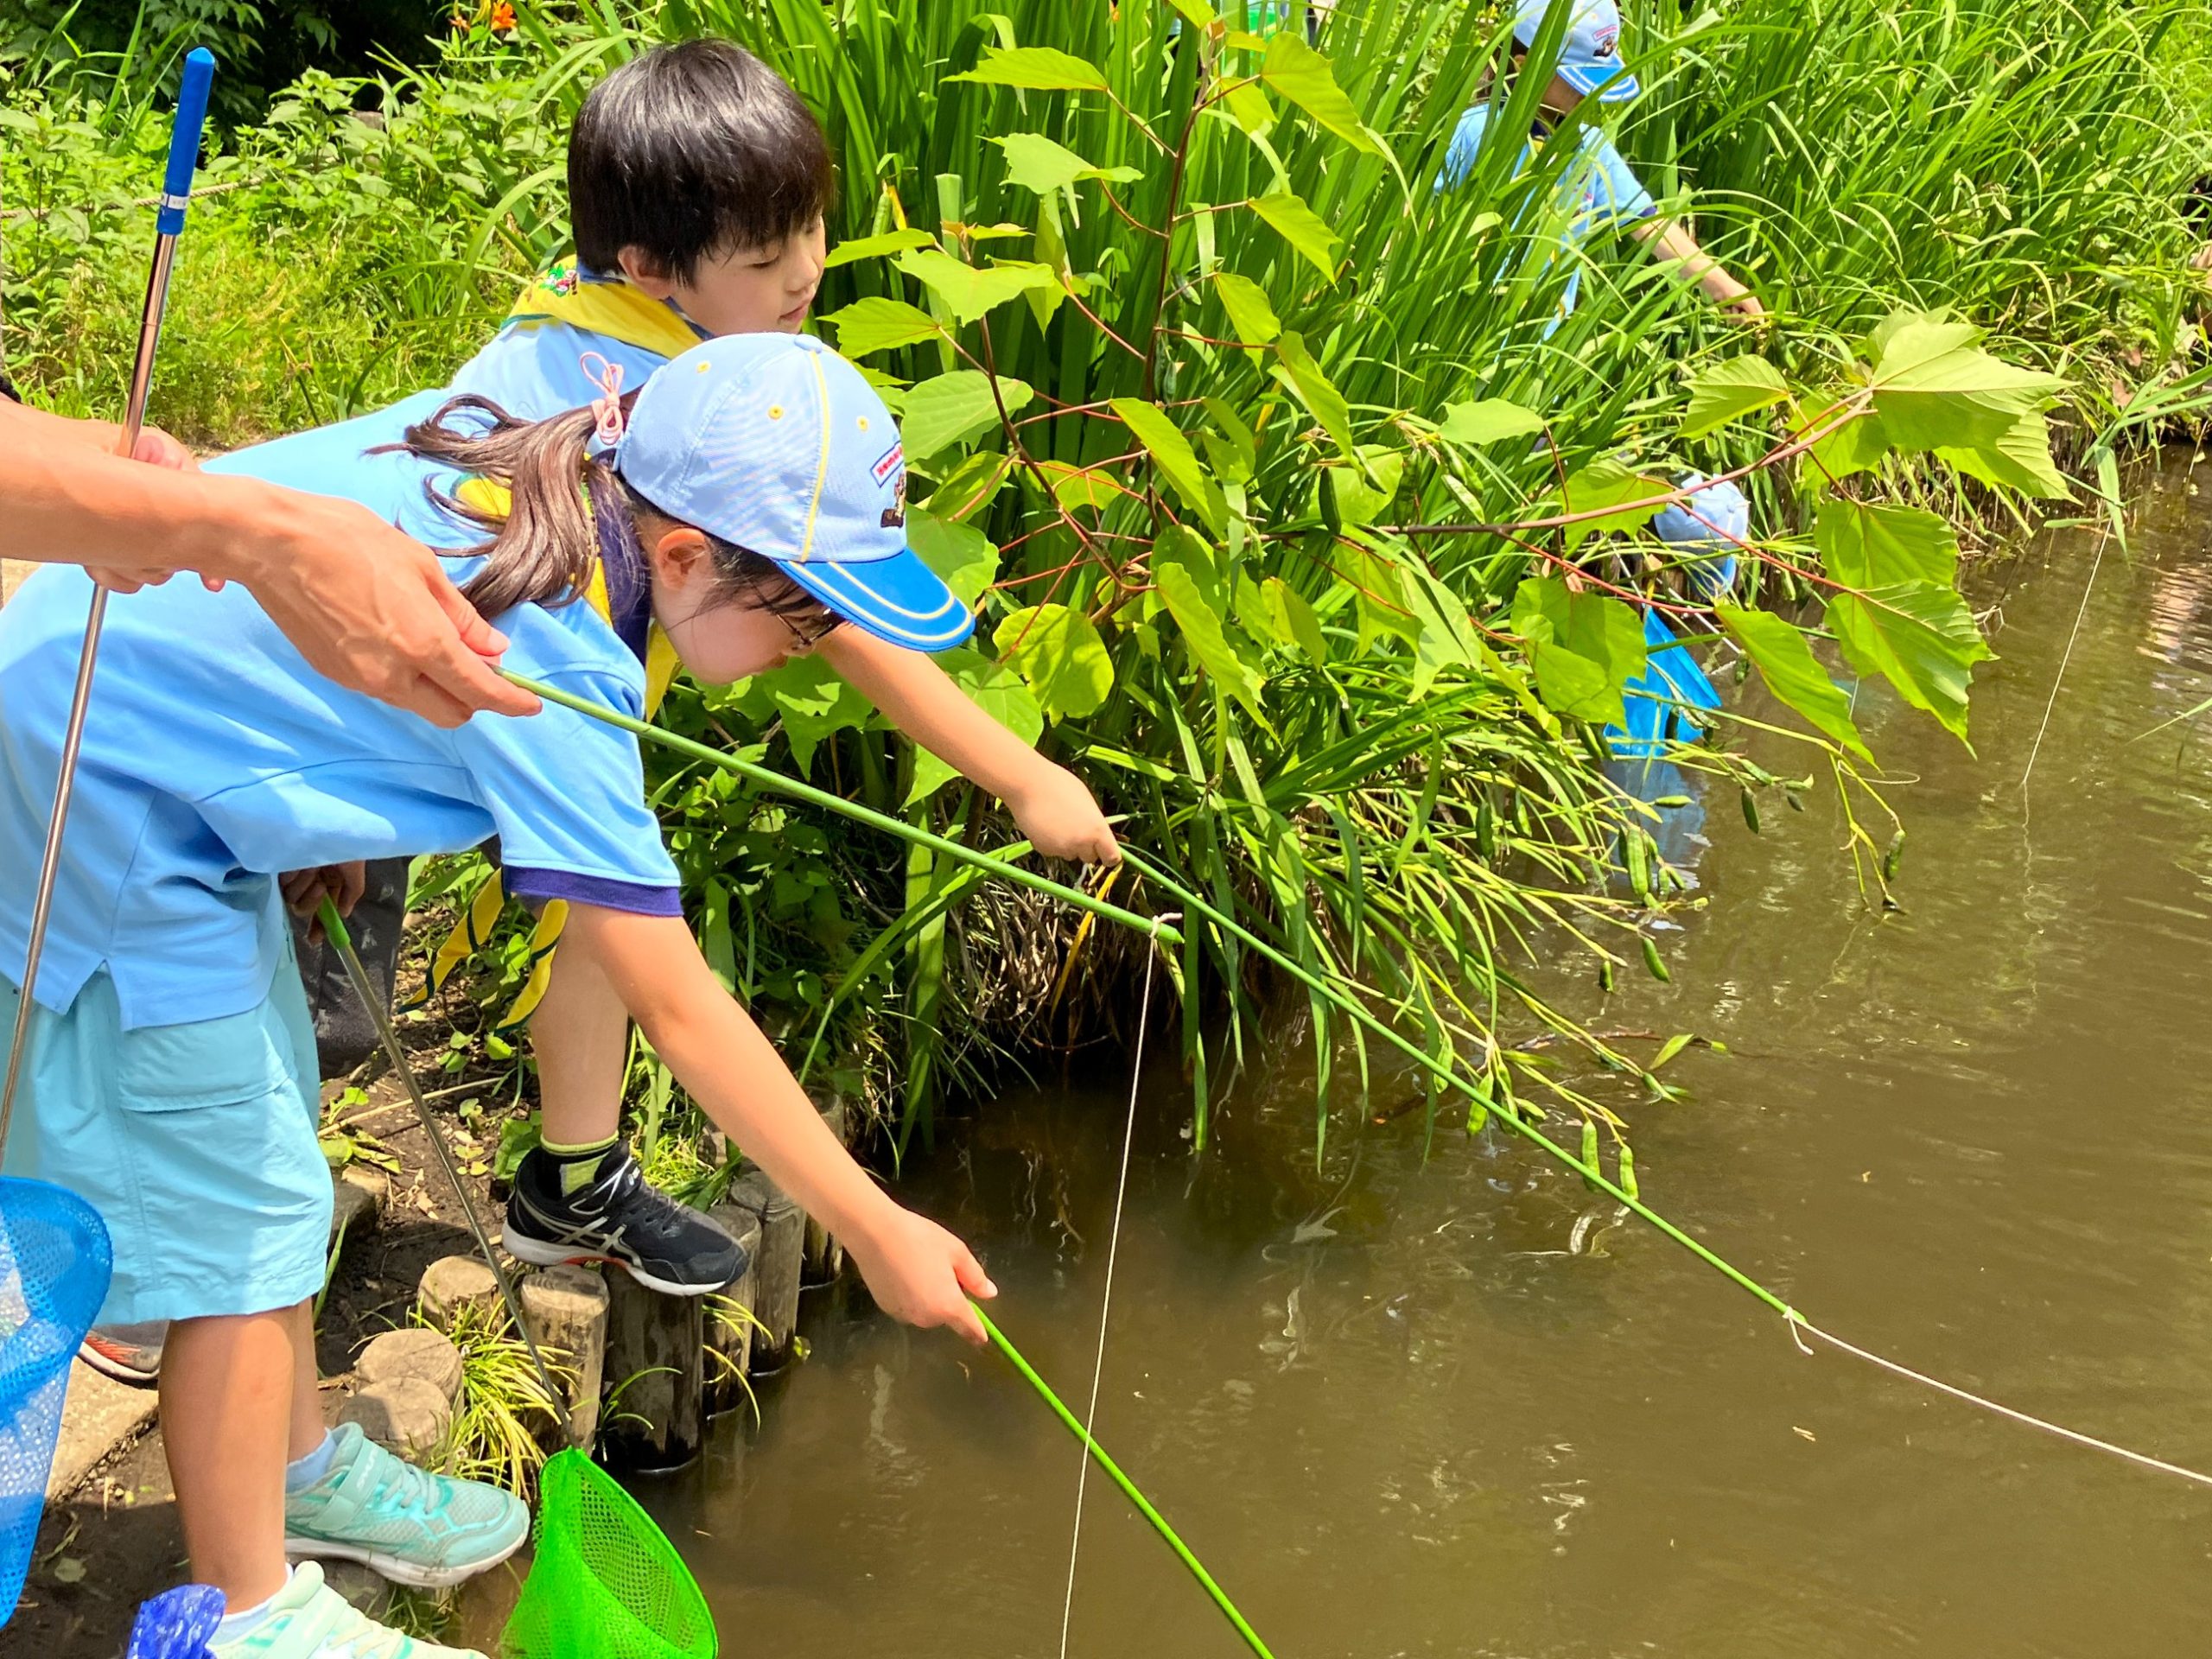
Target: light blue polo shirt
1597,187
214,758
535,369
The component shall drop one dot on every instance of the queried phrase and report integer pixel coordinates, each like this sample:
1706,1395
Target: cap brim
899,599
1606,86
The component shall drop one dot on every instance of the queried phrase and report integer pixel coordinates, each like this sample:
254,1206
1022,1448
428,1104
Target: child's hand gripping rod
334,929
176,193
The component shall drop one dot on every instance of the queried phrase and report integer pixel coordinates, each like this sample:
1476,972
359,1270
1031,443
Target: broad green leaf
1934,388
1082,486
1299,224
1921,638
1785,659
1202,631
993,687
2019,459
1364,492
971,291
1491,420
1295,71
1250,313
971,487
942,411
1036,163
1313,388
1606,483
1197,13
1036,69
877,325
1447,635
1856,446
869,247
1291,620
1728,391
1059,652
1585,648
813,703
1178,462
959,553
1249,107
1374,576
1869,546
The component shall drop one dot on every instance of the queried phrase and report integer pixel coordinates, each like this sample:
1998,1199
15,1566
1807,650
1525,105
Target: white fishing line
2143,1459
2088,587
1106,1301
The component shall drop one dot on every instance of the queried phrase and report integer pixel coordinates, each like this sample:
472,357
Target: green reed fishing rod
1345,998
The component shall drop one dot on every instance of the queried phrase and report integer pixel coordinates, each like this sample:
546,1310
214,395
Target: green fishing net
606,1584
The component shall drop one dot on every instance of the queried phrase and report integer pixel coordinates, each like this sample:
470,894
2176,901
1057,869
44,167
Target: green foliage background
1224,418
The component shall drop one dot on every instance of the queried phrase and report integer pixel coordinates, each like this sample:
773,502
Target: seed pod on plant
1639,866
1656,968
1606,974
1893,857
1589,1151
1750,809
1628,1171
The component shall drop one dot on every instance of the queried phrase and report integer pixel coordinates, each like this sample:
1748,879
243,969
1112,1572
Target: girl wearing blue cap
754,510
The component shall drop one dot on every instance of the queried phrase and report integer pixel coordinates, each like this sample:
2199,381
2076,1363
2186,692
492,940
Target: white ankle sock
242,1621
304,1472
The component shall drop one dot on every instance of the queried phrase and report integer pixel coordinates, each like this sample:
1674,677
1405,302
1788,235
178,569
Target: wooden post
656,1406
567,1308
824,1257
729,1332
783,1250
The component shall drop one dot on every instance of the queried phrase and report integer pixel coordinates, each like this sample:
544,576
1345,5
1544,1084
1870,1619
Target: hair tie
607,406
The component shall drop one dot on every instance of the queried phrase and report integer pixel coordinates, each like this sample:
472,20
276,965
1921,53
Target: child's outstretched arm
1050,803
1675,246
918,1272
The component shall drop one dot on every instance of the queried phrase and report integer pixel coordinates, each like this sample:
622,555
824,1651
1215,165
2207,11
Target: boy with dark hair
697,182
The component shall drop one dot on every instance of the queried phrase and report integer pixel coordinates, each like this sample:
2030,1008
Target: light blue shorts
196,1143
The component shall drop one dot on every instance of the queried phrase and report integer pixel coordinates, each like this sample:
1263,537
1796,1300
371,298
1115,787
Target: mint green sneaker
413,1527
309,1620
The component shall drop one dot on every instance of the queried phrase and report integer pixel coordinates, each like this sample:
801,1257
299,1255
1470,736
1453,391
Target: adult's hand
156,448
372,609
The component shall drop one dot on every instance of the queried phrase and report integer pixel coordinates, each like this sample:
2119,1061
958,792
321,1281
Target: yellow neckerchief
603,306
475,928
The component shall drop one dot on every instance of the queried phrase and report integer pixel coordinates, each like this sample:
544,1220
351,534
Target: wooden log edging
648,1370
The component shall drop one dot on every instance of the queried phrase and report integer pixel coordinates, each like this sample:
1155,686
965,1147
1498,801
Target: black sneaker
665,1246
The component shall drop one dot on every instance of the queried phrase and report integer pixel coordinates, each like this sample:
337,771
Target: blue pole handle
184,139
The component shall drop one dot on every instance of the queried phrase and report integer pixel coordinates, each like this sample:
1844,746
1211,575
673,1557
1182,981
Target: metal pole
176,192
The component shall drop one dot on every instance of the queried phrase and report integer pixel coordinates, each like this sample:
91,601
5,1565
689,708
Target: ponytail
543,548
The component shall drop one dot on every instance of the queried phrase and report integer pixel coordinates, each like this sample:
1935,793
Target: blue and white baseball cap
776,443
1590,57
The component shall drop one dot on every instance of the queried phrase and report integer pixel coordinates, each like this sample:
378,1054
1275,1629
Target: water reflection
1450,1407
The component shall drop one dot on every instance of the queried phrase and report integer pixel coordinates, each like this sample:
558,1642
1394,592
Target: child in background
697,183
1598,185
747,510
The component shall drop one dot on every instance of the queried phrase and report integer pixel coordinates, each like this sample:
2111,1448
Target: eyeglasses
807,632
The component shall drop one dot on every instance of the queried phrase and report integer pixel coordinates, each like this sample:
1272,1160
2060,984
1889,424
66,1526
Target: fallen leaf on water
68,1570
1807,1433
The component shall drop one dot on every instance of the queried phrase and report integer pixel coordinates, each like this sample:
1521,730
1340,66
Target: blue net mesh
54,1262
176,1624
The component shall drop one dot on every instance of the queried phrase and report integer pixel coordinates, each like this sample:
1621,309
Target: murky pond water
1397,1416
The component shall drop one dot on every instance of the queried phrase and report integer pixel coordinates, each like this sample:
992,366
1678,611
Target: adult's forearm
68,502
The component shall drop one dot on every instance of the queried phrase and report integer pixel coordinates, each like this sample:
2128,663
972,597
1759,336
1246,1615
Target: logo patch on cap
1606,41
890,461
894,516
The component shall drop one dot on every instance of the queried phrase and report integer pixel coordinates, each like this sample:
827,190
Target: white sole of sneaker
413,1576
539,1253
